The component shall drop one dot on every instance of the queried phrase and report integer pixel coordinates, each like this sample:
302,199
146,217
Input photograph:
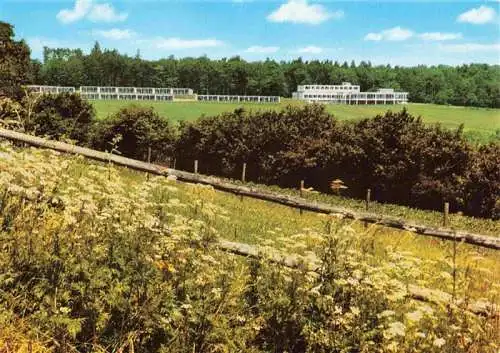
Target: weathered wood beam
414,292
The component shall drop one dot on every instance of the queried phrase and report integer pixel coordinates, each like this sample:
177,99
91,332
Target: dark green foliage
62,115
14,62
277,146
483,184
469,85
402,160
139,128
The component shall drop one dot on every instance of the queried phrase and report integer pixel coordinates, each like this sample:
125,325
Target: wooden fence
485,241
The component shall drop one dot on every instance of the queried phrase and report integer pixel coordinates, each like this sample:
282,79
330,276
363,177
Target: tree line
466,85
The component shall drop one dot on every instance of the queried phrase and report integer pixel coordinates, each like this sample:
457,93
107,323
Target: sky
405,33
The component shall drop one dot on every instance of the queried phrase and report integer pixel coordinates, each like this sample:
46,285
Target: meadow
479,123
101,258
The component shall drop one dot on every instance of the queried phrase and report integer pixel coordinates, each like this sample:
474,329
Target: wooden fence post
367,203
301,193
243,172
173,166
195,166
149,161
446,211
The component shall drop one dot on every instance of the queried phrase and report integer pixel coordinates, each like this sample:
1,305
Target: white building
50,89
235,99
148,93
131,93
348,94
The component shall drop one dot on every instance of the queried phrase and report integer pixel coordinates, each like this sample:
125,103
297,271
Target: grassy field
477,121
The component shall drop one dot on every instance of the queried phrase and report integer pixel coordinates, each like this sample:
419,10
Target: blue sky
383,32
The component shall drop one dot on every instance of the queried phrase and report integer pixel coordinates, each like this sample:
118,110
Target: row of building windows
138,90
346,88
225,98
50,89
358,96
115,96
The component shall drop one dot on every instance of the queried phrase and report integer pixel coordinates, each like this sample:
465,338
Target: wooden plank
414,292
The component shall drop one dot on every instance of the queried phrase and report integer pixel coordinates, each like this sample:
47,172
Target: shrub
278,147
403,161
395,154
139,128
483,184
61,115
100,262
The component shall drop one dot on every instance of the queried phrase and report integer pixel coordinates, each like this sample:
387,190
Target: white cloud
262,50
106,13
471,48
115,34
178,43
392,34
93,11
299,11
79,11
374,36
439,36
477,16
311,49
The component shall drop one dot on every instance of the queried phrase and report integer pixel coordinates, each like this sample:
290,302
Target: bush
396,155
403,161
61,115
278,147
483,184
139,128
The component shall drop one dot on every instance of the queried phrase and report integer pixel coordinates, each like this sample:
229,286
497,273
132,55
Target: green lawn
480,123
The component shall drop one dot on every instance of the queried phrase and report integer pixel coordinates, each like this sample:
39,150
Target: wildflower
355,310
439,342
386,313
396,329
414,316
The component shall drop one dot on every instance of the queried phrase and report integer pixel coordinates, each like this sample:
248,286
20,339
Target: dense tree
65,115
470,85
15,62
396,155
133,130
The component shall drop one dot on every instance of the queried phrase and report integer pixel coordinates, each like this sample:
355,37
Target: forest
466,85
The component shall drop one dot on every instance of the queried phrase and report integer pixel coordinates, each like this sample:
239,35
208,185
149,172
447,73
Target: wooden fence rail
485,241
418,293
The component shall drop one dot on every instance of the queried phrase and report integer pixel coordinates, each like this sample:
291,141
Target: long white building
148,93
50,89
235,99
346,93
132,93
117,93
